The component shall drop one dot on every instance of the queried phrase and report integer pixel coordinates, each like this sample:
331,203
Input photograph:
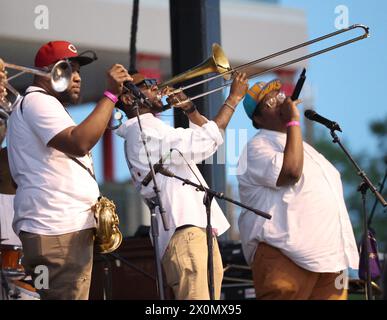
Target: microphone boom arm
219,195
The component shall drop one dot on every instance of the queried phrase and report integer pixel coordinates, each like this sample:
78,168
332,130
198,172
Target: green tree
373,165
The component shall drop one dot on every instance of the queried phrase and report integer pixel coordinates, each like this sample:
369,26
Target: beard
157,108
69,97
157,105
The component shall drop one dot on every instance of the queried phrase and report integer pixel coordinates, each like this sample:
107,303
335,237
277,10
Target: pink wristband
111,96
292,123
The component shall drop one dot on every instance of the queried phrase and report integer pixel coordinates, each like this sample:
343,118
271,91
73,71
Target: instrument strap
27,93
72,158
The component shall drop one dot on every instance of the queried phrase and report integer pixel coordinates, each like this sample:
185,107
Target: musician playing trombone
183,248
302,252
50,161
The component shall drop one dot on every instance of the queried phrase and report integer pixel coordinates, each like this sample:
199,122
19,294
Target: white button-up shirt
183,204
310,223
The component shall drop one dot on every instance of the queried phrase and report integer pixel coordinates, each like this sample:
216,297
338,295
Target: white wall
249,30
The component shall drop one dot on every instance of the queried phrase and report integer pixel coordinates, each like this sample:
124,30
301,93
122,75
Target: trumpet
210,64
60,76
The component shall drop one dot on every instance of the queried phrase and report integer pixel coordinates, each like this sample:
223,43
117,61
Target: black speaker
127,274
237,291
237,278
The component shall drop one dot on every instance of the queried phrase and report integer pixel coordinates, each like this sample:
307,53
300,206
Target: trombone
211,63
60,76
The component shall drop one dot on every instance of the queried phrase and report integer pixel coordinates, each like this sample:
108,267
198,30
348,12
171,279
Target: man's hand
238,88
177,98
289,110
116,76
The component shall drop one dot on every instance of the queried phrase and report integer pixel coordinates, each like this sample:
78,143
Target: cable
189,166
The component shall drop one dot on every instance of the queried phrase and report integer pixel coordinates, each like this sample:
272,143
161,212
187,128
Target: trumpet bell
61,76
217,63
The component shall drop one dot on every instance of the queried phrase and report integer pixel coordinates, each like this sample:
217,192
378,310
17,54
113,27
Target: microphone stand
363,187
209,194
153,203
4,286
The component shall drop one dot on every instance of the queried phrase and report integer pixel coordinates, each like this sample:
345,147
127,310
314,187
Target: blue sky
348,84
350,81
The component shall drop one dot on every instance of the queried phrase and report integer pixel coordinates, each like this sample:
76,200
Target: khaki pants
69,259
276,277
185,265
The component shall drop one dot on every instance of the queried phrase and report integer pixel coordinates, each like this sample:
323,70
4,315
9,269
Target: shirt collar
34,88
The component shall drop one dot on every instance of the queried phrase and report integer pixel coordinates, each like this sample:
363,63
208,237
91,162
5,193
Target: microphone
165,172
148,177
137,93
156,168
299,85
314,116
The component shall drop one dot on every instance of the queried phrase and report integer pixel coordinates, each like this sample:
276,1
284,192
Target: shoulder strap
27,93
83,166
72,158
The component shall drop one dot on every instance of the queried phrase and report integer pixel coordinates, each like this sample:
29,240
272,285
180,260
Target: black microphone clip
148,177
157,167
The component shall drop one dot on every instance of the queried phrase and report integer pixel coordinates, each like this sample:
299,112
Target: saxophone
107,236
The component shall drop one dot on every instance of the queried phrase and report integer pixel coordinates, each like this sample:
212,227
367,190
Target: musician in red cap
50,161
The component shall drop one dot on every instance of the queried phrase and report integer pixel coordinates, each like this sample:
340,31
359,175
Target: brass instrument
218,63
208,66
108,237
60,76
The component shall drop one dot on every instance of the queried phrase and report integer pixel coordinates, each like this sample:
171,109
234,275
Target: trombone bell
61,76
217,63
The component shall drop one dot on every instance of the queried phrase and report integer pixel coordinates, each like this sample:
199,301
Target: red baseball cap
54,51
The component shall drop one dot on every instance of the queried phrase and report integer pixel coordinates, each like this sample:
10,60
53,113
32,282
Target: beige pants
69,259
185,265
276,277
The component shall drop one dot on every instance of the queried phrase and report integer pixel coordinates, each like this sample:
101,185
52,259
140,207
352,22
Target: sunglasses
149,83
274,101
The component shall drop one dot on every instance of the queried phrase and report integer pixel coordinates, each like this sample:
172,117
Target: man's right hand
289,110
116,76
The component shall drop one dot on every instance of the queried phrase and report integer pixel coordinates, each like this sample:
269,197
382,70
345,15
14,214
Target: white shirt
310,223
6,218
54,194
183,204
